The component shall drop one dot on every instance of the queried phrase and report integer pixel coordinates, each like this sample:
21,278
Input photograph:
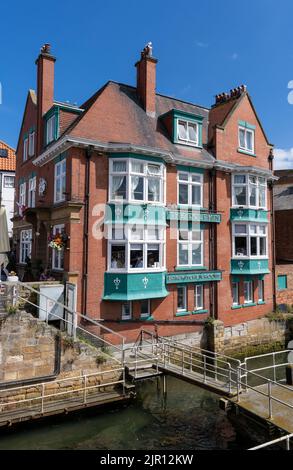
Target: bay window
246,139
190,247
138,248
136,180
60,181
249,191
190,187
25,245
249,240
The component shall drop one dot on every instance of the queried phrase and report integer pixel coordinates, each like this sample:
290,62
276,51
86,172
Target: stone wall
248,335
32,351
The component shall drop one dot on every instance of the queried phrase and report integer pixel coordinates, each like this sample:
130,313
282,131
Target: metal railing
188,360
13,295
285,439
79,388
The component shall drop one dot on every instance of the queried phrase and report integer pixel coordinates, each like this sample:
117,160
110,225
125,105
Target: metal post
204,368
190,366
182,361
43,393
230,379
74,321
288,443
84,388
274,367
123,385
238,384
270,399
135,363
47,310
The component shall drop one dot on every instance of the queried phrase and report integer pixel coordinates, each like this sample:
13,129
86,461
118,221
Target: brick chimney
146,80
45,88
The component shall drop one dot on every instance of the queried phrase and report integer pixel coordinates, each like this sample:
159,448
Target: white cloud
201,44
283,159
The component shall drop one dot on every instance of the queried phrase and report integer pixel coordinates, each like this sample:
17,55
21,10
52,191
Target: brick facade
119,119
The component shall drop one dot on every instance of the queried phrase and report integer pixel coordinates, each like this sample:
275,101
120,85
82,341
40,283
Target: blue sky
203,48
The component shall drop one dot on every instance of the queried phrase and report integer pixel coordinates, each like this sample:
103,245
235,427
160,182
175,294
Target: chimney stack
45,88
146,80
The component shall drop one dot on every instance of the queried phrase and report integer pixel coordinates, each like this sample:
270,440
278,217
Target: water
185,418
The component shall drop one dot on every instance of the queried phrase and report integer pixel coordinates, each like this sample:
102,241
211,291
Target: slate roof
283,190
114,114
7,163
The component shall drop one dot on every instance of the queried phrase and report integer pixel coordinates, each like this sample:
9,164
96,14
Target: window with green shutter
282,282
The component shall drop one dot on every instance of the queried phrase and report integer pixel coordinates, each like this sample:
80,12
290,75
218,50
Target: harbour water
185,417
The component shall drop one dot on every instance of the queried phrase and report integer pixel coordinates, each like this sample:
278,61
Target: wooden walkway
62,406
253,403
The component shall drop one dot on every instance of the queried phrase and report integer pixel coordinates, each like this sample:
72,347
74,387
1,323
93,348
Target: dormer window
246,137
187,131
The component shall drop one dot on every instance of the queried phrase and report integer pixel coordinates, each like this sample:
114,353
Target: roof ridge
164,96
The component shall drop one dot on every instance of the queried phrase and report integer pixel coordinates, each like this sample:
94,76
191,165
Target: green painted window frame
52,112
282,282
177,116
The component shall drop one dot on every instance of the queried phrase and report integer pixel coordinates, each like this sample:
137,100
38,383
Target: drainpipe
271,158
88,155
212,243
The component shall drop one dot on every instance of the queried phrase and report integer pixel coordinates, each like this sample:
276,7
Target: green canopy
4,238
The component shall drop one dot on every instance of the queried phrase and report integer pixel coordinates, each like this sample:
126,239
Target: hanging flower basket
57,241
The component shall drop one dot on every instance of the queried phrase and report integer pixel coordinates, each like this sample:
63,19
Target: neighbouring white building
7,181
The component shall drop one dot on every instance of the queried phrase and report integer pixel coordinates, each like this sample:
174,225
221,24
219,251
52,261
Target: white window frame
8,177
128,173
249,234
189,183
235,283
246,131
189,241
25,245
58,255
188,123
25,149
129,316
129,240
249,299
59,196
50,129
184,309
261,182
260,290
22,195
149,313
198,293
31,144
32,184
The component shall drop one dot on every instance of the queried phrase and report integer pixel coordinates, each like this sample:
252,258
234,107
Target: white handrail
275,441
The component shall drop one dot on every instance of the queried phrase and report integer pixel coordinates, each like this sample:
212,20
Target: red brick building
182,194
283,209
